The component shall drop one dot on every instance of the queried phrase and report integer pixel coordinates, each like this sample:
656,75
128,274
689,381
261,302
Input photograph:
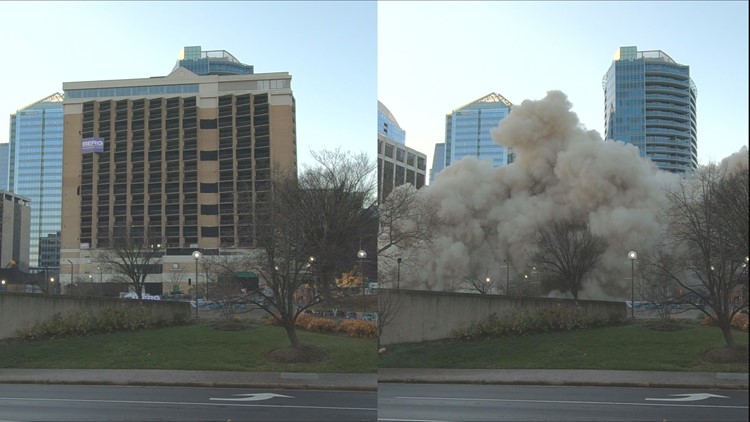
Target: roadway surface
453,402
26,402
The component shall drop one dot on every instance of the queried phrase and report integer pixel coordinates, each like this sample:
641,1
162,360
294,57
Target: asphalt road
25,402
459,402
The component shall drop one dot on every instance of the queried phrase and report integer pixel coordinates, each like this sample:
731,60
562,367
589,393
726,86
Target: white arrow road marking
253,397
691,397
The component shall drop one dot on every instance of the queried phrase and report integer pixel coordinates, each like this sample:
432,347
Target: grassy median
190,347
633,346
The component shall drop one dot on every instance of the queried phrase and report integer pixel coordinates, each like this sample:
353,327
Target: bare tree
659,288
337,212
481,285
407,221
708,231
132,256
407,217
567,251
307,231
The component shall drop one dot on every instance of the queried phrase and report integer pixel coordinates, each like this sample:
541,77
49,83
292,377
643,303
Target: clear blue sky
434,57
329,48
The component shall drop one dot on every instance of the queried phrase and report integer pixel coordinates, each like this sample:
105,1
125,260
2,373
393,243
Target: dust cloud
561,170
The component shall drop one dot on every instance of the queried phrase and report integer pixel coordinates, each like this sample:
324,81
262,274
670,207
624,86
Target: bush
739,322
358,328
521,323
351,328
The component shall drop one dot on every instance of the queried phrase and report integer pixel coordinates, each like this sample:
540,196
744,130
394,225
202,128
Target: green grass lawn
193,347
627,347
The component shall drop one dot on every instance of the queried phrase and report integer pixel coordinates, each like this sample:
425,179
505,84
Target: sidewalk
275,380
578,377
368,382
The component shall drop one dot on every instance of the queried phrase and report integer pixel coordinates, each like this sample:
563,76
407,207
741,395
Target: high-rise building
397,163
36,169
175,158
467,132
15,214
650,102
438,160
4,165
388,126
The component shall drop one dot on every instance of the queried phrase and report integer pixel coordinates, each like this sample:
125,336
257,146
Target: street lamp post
398,274
310,262
488,281
507,278
632,256
2,286
71,270
196,256
101,280
52,282
362,254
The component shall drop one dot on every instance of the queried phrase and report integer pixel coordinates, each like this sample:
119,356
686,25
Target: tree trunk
291,333
726,330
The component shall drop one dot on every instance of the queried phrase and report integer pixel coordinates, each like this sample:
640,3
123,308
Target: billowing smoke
560,171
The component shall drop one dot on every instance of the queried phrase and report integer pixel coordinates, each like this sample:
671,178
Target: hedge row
522,322
84,322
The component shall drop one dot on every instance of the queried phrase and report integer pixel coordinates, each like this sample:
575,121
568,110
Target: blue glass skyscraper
36,162
467,132
650,102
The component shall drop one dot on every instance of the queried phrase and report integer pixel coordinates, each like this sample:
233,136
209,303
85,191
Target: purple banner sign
89,145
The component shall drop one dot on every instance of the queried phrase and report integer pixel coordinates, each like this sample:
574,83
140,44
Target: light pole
196,256
52,283
2,285
362,254
100,273
536,275
507,278
398,274
310,262
632,256
488,280
71,270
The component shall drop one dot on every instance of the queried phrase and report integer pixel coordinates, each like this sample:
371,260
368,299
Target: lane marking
253,397
608,403
178,403
691,397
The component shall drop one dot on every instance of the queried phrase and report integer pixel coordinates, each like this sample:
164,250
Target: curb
715,386
327,387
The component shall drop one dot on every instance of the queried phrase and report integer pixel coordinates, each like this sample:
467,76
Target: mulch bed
737,354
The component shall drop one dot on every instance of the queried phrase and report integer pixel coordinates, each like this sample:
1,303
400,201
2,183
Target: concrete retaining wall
426,315
21,310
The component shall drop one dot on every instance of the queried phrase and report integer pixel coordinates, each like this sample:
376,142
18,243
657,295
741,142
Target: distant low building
15,228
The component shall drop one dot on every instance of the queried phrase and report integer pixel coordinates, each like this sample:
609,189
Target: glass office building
438,161
388,126
211,62
36,163
467,132
650,102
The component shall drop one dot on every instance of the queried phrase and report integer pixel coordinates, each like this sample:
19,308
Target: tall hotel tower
173,157
650,102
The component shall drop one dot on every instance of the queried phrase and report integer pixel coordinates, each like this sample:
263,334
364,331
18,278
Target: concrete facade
21,310
426,315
